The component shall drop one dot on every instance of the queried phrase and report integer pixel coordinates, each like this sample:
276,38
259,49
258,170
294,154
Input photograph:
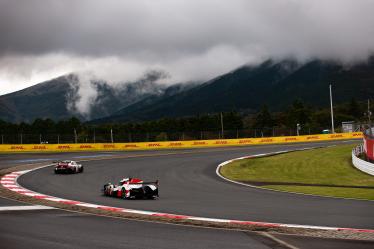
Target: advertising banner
177,144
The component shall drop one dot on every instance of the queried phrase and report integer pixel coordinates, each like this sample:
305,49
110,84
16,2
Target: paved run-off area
60,229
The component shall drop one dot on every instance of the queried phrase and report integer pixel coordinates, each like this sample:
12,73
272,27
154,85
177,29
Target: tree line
311,120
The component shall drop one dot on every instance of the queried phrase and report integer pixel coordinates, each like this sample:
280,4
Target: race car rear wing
145,183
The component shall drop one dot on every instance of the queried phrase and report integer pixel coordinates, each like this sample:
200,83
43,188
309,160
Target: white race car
132,188
68,166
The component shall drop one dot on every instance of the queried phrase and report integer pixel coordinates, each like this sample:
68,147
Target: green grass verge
327,191
324,166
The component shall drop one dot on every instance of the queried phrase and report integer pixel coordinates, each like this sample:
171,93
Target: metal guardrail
360,164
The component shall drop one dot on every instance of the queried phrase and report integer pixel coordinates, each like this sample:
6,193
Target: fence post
58,138
75,135
40,138
2,139
21,139
111,135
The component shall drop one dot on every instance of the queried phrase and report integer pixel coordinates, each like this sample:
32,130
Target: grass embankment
324,171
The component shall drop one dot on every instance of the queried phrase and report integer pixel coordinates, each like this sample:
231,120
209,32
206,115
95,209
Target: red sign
39,147
17,147
199,143
130,146
312,137
221,142
291,139
266,140
64,147
154,145
245,141
85,146
175,144
369,147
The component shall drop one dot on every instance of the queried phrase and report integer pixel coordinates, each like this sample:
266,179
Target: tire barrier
174,144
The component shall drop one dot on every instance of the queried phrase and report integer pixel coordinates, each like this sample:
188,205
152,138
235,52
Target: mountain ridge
245,89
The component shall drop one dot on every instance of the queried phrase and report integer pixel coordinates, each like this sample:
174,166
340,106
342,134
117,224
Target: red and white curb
9,181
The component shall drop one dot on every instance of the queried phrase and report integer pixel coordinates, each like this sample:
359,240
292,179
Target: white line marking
209,219
279,241
138,212
24,208
87,205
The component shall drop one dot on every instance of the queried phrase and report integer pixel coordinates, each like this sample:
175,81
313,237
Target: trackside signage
369,147
175,144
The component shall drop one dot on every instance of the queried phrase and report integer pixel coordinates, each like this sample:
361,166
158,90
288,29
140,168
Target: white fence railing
360,164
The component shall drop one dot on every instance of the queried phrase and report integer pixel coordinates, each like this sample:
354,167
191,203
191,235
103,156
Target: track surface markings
25,208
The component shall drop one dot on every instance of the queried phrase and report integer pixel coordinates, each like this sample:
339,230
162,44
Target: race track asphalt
58,229
190,186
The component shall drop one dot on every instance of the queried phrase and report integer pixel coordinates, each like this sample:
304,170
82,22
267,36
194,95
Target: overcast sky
119,40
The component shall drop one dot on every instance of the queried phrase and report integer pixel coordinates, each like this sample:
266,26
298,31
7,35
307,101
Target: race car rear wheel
81,169
123,194
149,193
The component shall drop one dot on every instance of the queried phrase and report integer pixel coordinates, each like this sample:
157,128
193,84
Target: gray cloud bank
119,41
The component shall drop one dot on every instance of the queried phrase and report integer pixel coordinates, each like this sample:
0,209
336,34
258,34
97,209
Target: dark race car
132,188
68,166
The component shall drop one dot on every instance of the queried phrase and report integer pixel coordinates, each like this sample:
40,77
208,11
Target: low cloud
120,41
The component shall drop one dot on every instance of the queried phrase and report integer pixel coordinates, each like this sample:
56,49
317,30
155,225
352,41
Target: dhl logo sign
175,144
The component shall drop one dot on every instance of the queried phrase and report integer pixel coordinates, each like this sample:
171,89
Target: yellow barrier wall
174,144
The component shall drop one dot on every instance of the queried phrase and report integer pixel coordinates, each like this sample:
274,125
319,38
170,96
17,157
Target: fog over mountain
121,41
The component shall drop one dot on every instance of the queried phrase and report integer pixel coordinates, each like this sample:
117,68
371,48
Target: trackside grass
325,171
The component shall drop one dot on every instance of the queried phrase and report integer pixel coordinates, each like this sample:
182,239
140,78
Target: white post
75,136
369,112
111,135
369,118
332,112
222,126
